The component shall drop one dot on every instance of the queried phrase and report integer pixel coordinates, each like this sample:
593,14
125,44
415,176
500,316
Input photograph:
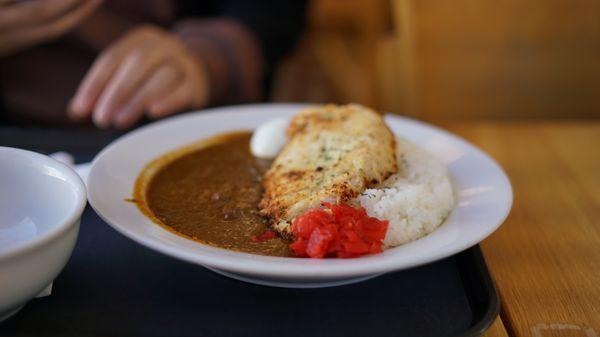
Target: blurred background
460,59
430,59
518,78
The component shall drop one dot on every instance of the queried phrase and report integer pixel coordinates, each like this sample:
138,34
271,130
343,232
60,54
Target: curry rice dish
342,186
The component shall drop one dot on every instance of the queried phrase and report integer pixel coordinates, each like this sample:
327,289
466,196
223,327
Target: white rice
416,200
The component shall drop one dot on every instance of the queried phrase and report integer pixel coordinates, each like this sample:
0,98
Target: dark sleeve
240,42
277,23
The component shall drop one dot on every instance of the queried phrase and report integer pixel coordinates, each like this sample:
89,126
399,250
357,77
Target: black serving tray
115,287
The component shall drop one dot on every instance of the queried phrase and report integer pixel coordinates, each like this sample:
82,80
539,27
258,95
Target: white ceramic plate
483,194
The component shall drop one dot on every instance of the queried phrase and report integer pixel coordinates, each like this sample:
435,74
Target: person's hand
26,23
149,70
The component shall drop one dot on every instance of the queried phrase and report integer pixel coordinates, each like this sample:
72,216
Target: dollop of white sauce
269,138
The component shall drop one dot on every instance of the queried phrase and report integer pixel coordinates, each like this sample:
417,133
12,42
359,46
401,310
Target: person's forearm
231,54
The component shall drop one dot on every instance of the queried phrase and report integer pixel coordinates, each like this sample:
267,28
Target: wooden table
545,259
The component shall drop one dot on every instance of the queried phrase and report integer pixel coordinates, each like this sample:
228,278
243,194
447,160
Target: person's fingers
61,25
97,77
162,81
198,79
32,13
174,101
136,67
93,82
43,33
192,92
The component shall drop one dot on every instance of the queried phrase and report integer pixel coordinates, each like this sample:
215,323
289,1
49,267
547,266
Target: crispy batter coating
334,154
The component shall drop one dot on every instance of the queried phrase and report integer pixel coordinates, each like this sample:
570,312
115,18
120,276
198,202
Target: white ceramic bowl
41,201
483,194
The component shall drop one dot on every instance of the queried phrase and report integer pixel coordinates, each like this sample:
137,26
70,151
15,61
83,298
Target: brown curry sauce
209,192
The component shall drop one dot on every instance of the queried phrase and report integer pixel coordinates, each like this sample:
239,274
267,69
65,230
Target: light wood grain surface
537,58
456,59
497,329
545,259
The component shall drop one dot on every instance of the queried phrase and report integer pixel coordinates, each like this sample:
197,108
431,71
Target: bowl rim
73,215
264,267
